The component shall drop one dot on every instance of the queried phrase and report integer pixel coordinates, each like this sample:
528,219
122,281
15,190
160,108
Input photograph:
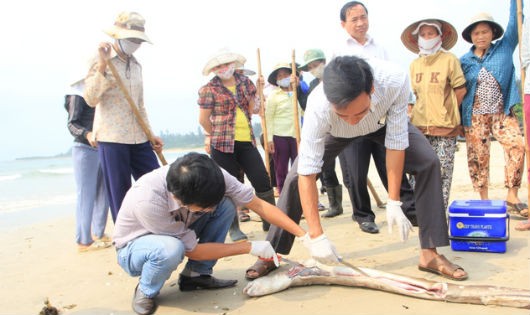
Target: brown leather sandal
259,269
520,208
443,267
523,226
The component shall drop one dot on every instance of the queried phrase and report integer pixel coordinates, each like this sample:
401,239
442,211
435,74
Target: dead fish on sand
48,309
311,273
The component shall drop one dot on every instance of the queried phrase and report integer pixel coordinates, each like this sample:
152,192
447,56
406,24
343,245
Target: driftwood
314,273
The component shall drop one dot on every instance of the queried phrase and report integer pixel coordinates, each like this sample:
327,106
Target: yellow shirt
279,114
242,128
433,79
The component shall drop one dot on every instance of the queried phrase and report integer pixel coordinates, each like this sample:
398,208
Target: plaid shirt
222,102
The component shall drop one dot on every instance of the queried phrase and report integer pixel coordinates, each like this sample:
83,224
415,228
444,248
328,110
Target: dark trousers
245,157
285,151
420,161
272,171
121,161
329,176
354,163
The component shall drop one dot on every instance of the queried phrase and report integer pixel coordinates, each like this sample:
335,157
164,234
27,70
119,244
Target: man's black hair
347,6
345,78
195,179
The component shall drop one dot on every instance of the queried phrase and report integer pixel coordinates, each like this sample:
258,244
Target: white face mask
429,46
128,47
284,83
318,72
226,73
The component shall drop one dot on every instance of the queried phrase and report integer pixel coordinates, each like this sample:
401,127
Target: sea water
37,189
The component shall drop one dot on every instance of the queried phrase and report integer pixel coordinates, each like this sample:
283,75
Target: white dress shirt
350,46
389,106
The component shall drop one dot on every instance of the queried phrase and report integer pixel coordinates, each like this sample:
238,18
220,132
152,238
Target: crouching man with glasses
185,209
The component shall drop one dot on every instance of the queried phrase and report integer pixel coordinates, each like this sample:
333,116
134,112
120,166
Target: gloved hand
321,249
394,215
264,250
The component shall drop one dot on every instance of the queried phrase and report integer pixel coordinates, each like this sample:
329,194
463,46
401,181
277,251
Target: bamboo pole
295,101
139,118
262,116
525,129
378,201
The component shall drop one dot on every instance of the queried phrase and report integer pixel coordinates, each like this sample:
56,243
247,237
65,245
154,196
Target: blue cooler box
478,225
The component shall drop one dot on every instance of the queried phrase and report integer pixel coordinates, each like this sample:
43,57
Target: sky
47,45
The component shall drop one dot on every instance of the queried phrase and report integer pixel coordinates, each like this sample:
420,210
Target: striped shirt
149,208
389,106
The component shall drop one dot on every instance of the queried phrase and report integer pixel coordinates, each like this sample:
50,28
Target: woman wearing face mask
314,63
123,146
439,86
487,108
279,114
226,105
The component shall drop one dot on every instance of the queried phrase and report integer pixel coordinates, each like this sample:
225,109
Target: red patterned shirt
222,102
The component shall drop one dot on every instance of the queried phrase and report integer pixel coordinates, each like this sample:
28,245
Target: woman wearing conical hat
439,86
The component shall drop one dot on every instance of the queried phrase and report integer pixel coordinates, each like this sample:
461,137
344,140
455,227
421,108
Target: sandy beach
41,260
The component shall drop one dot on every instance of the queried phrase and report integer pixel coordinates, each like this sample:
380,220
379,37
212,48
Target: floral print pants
505,128
445,148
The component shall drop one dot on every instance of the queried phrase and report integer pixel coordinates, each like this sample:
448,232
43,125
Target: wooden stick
139,118
263,120
525,131
380,203
295,102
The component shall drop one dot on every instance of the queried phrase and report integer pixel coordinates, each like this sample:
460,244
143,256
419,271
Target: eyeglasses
183,213
197,210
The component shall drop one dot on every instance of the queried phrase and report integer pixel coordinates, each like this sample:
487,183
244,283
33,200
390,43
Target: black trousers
420,161
355,163
245,157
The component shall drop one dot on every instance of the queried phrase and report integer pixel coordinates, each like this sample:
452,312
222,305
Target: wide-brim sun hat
78,71
486,18
409,37
128,25
245,71
221,57
310,56
282,65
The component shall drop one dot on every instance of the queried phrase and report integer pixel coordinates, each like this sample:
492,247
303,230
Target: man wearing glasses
185,209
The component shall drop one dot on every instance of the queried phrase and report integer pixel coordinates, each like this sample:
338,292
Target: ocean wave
18,205
5,178
57,171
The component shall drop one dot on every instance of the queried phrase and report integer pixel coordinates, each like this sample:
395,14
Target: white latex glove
394,215
321,249
263,249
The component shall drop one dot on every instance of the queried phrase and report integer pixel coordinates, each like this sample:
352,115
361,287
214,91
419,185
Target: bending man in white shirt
361,100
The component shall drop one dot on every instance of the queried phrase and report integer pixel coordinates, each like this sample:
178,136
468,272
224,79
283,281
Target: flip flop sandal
523,226
520,208
443,267
260,268
243,216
